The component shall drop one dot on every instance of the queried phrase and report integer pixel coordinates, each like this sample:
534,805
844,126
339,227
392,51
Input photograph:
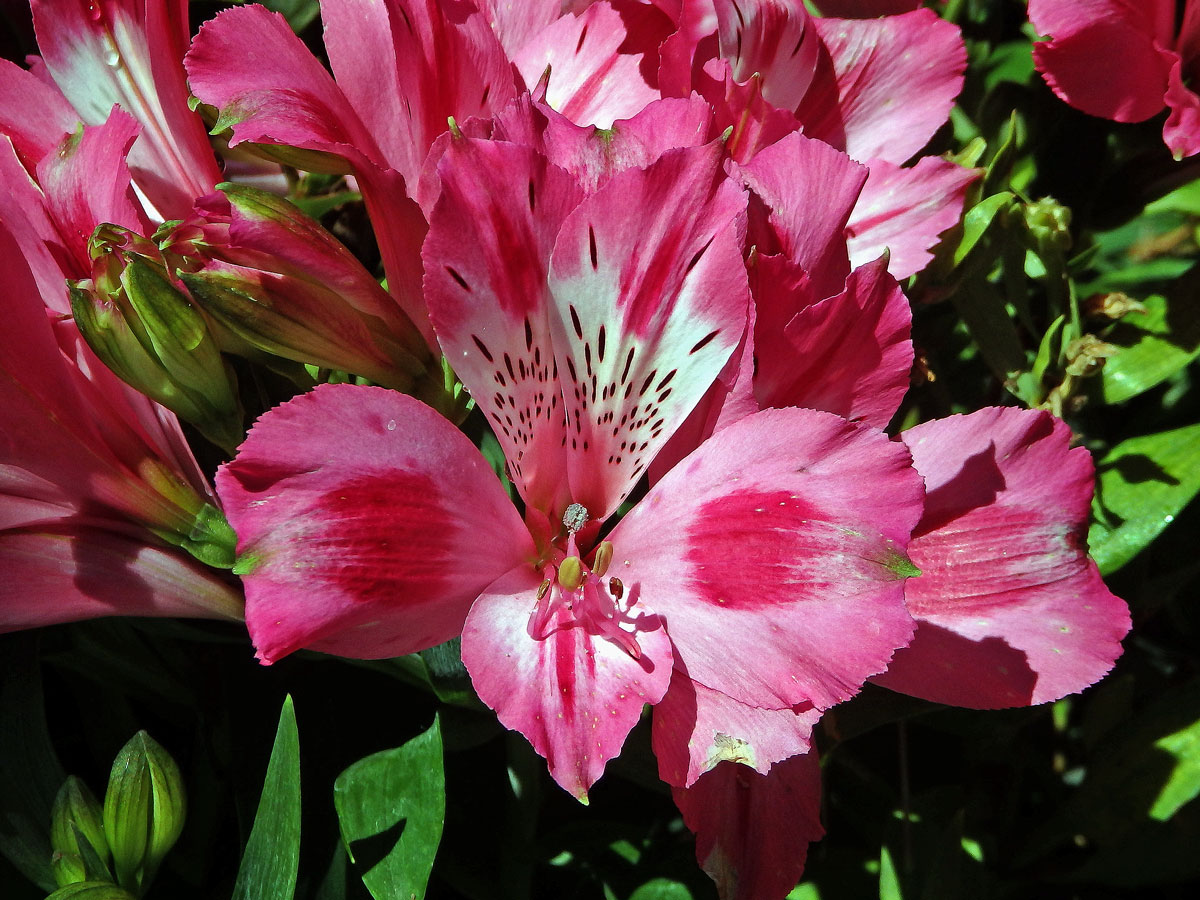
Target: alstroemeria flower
877,89
1158,44
96,483
129,53
400,68
587,307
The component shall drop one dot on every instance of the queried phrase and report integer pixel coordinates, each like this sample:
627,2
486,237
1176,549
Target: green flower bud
92,890
1049,224
144,810
150,334
77,833
68,868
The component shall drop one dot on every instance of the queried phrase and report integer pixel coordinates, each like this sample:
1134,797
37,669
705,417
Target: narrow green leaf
30,774
92,890
1142,485
976,222
1155,345
391,807
889,881
272,856
982,309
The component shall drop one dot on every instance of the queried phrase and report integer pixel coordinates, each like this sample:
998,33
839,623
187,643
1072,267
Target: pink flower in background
1159,57
101,53
98,489
587,313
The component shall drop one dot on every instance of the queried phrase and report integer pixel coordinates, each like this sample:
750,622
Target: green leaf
889,881
1142,485
272,855
391,807
983,310
1183,785
977,221
30,774
662,889
1155,345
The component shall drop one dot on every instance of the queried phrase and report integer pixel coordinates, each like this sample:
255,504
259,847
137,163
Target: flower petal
752,831
574,695
696,729
897,78
1086,35
84,572
775,554
407,65
597,60
905,211
810,191
651,299
849,354
367,525
486,261
1018,611
34,115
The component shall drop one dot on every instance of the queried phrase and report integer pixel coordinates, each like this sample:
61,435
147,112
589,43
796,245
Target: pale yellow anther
543,588
604,554
570,572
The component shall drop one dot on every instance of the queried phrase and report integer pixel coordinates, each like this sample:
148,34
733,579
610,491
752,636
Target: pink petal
1011,610
773,39
740,106
594,156
367,525
486,261
809,189
277,93
696,729
897,78
34,115
849,354
86,182
598,61
1086,35
23,210
651,299
865,9
130,52
574,695
775,554
1182,128
515,23
407,65
904,211
86,572
753,831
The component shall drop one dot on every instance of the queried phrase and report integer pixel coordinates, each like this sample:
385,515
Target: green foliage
272,855
391,807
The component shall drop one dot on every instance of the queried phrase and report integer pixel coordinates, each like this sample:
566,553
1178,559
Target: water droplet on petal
391,425
113,57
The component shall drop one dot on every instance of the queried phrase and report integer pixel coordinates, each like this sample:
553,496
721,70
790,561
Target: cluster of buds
250,275
112,851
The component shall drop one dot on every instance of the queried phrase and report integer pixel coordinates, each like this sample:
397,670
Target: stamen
570,573
616,588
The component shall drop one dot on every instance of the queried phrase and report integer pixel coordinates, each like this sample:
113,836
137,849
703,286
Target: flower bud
148,332
1049,224
68,868
91,890
283,284
144,810
77,819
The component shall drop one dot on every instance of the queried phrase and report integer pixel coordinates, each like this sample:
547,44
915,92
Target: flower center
575,595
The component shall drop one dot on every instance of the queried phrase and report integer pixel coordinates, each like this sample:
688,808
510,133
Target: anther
570,573
616,588
604,555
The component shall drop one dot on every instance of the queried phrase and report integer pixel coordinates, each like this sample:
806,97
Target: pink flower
588,290
1159,56
101,53
98,490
